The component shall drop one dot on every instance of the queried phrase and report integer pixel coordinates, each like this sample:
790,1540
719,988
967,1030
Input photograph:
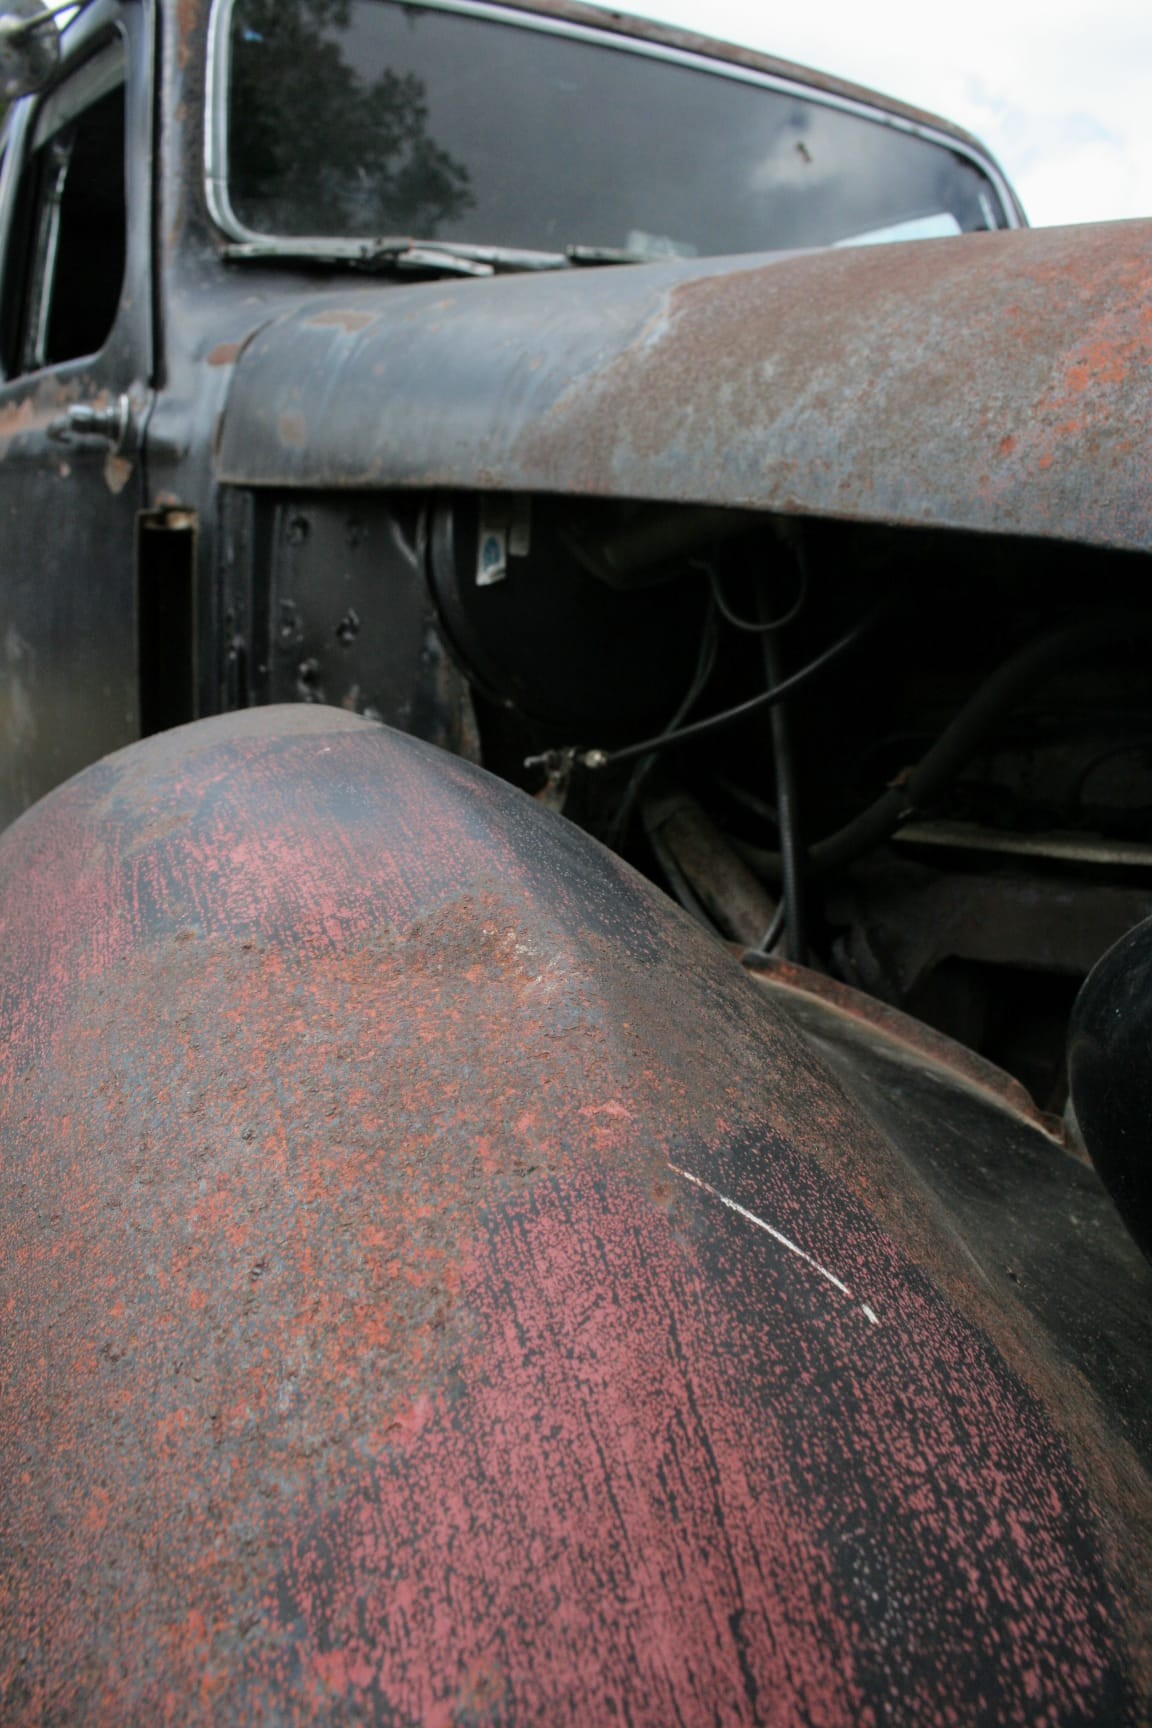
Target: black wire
774,931
751,625
706,660
791,854
958,743
729,716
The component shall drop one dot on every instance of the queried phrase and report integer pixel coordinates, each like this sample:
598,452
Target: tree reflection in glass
370,119
316,148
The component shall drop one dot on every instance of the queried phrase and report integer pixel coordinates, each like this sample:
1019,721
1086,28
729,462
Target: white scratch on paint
777,1236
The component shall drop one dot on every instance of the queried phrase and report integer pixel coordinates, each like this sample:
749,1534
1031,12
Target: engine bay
916,761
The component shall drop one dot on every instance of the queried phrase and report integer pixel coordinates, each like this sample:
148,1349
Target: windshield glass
364,118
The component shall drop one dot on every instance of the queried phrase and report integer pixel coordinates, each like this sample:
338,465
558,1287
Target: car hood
993,381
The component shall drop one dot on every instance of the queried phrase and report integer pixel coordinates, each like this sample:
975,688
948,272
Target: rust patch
44,402
18,417
293,429
343,318
187,30
827,357
224,353
117,472
347,1099
35,412
992,382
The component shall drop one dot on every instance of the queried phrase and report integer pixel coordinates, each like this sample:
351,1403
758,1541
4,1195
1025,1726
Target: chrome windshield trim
219,48
216,124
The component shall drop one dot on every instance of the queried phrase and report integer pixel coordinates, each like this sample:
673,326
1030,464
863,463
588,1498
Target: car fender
441,1285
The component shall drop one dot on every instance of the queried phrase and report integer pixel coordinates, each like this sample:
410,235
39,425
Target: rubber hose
955,747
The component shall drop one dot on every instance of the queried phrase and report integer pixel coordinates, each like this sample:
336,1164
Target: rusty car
575,963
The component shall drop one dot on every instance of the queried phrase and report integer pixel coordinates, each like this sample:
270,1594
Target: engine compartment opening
950,805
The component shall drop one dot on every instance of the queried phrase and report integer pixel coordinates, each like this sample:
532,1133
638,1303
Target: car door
76,357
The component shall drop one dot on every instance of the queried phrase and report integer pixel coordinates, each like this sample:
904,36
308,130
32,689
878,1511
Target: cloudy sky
1060,89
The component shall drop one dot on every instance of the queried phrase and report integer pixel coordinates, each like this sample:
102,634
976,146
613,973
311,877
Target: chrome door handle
83,420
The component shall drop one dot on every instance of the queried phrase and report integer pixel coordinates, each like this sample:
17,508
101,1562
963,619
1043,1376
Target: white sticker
492,550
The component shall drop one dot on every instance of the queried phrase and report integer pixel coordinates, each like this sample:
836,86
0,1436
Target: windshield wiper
401,254
591,255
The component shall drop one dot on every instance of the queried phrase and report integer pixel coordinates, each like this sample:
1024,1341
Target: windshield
363,118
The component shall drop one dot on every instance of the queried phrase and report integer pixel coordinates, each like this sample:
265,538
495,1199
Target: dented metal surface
477,1302
992,382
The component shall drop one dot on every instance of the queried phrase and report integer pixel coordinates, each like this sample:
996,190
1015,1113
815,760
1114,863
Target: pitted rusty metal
995,382
438,1286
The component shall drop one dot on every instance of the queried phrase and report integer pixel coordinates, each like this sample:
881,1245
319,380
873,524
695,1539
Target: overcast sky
1061,90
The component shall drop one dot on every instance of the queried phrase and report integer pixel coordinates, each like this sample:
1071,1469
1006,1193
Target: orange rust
34,412
344,1093
117,472
188,14
873,385
343,318
293,429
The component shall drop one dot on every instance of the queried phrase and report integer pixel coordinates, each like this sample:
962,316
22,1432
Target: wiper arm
401,254
397,253
590,255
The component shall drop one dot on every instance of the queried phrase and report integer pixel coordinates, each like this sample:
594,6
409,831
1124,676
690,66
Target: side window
68,243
